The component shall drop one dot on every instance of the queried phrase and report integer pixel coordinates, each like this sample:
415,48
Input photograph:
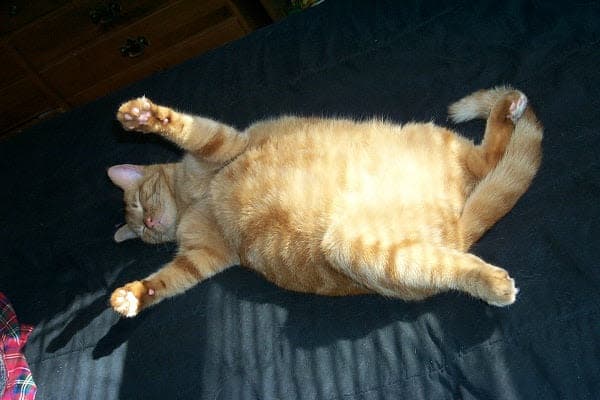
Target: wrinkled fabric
236,336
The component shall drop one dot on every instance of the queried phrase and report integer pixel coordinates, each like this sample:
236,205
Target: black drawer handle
105,13
134,47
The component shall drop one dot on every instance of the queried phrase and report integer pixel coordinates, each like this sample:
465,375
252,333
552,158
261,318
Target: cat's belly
275,204
297,272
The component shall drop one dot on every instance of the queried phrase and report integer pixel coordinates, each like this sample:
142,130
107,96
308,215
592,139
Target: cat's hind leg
205,138
499,127
413,271
507,160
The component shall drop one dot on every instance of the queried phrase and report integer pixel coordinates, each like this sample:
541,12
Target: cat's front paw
142,115
500,288
130,299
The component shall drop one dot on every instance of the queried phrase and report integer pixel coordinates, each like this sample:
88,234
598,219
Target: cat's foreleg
187,269
205,138
413,271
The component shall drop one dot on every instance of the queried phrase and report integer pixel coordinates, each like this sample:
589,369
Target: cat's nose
149,222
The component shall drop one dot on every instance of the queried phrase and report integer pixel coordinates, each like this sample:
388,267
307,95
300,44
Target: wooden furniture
277,9
58,53
280,9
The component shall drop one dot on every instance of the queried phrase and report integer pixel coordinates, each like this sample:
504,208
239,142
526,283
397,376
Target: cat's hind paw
143,115
130,299
499,287
517,107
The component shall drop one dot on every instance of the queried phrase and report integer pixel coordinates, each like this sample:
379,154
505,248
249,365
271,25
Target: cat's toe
128,300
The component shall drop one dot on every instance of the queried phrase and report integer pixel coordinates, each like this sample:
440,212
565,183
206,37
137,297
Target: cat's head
150,206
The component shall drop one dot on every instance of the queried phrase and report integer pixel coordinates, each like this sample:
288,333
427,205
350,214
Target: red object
19,384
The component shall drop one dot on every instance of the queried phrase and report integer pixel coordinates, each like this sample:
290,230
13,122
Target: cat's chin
166,234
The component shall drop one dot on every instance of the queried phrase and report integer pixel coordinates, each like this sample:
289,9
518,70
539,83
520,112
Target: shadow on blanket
311,321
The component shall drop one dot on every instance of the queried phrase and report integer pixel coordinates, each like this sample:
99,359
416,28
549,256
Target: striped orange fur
330,206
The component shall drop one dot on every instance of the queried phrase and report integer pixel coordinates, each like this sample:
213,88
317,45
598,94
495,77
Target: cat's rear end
498,192
338,207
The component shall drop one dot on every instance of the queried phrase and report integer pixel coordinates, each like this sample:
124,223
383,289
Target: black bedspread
239,337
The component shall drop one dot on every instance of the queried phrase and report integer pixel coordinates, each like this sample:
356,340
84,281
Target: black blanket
239,337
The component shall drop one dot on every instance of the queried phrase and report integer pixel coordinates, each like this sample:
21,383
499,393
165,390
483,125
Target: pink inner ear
125,175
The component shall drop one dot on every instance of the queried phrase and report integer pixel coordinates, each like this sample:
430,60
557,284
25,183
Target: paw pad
128,300
138,115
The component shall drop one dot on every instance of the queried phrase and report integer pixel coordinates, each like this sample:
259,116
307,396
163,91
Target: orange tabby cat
329,206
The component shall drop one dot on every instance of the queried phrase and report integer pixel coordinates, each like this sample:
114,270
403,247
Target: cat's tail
478,104
498,192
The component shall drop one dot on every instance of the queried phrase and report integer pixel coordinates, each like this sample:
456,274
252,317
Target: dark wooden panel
56,56
226,31
21,102
277,9
11,68
15,14
72,27
162,30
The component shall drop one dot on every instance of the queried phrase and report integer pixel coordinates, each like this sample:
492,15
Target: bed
237,336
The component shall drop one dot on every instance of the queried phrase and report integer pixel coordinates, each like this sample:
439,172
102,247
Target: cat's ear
126,176
124,233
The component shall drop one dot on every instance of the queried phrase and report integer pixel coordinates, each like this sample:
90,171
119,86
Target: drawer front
225,32
15,14
161,31
77,24
12,70
21,102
